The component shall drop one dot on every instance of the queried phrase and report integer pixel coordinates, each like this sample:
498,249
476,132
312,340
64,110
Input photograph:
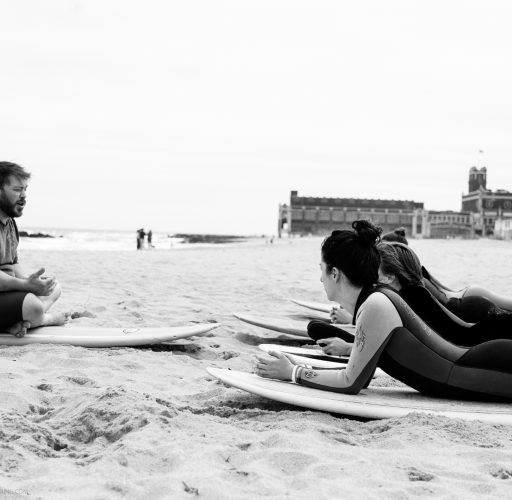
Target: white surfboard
316,306
306,352
281,325
321,307
373,403
284,325
312,357
90,336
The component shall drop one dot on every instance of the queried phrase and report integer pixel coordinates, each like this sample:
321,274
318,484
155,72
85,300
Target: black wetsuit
318,329
420,358
491,327
471,309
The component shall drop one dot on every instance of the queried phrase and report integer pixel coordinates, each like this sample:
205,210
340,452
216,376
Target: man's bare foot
82,314
56,318
19,329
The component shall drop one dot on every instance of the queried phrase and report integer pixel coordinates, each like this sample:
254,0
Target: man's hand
40,286
335,346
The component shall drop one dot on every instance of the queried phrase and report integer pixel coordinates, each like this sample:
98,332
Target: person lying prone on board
471,304
401,270
390,334
24,299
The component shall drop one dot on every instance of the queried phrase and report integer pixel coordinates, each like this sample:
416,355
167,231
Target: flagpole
478,163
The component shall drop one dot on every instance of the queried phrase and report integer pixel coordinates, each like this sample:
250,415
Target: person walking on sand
24,299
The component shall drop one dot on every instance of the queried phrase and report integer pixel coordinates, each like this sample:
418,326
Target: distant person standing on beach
140,238
150,238
24,300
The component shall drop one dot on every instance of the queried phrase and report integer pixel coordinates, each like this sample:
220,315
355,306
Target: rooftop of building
355,202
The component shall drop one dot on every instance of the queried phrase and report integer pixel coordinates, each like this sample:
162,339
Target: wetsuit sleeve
433,313
455,317
319,329
376,319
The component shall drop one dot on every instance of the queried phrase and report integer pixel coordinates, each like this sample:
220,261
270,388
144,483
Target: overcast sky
201,116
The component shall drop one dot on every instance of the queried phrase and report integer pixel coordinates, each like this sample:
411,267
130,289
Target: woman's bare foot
56,318
19,329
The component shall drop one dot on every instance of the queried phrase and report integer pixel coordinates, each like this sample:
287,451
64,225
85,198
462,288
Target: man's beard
8,209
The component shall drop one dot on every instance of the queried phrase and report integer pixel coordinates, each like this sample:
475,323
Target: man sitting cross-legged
24,300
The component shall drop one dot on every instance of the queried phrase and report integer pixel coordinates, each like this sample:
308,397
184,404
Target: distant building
444,224
484,212
503,228
306,215
486,205
481,207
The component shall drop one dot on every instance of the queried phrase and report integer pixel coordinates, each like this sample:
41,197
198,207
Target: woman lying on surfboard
401,269
390,334
465,303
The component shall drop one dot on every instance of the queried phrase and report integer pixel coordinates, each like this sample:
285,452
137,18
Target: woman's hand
335,346
339,315
279,366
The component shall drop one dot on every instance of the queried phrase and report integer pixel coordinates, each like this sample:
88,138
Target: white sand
131,423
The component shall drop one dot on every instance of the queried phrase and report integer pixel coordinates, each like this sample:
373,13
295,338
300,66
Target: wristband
294,373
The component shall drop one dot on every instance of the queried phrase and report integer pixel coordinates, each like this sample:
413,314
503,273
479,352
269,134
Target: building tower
477,179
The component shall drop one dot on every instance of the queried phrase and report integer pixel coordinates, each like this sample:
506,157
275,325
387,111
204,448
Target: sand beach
151,423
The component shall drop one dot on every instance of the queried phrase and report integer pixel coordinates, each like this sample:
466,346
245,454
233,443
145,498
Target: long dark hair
354,252
400,260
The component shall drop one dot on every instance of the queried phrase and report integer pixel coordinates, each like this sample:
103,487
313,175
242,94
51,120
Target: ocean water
458,263
80,239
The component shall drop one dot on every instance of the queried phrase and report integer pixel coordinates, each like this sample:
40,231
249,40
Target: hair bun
400,231
366,232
